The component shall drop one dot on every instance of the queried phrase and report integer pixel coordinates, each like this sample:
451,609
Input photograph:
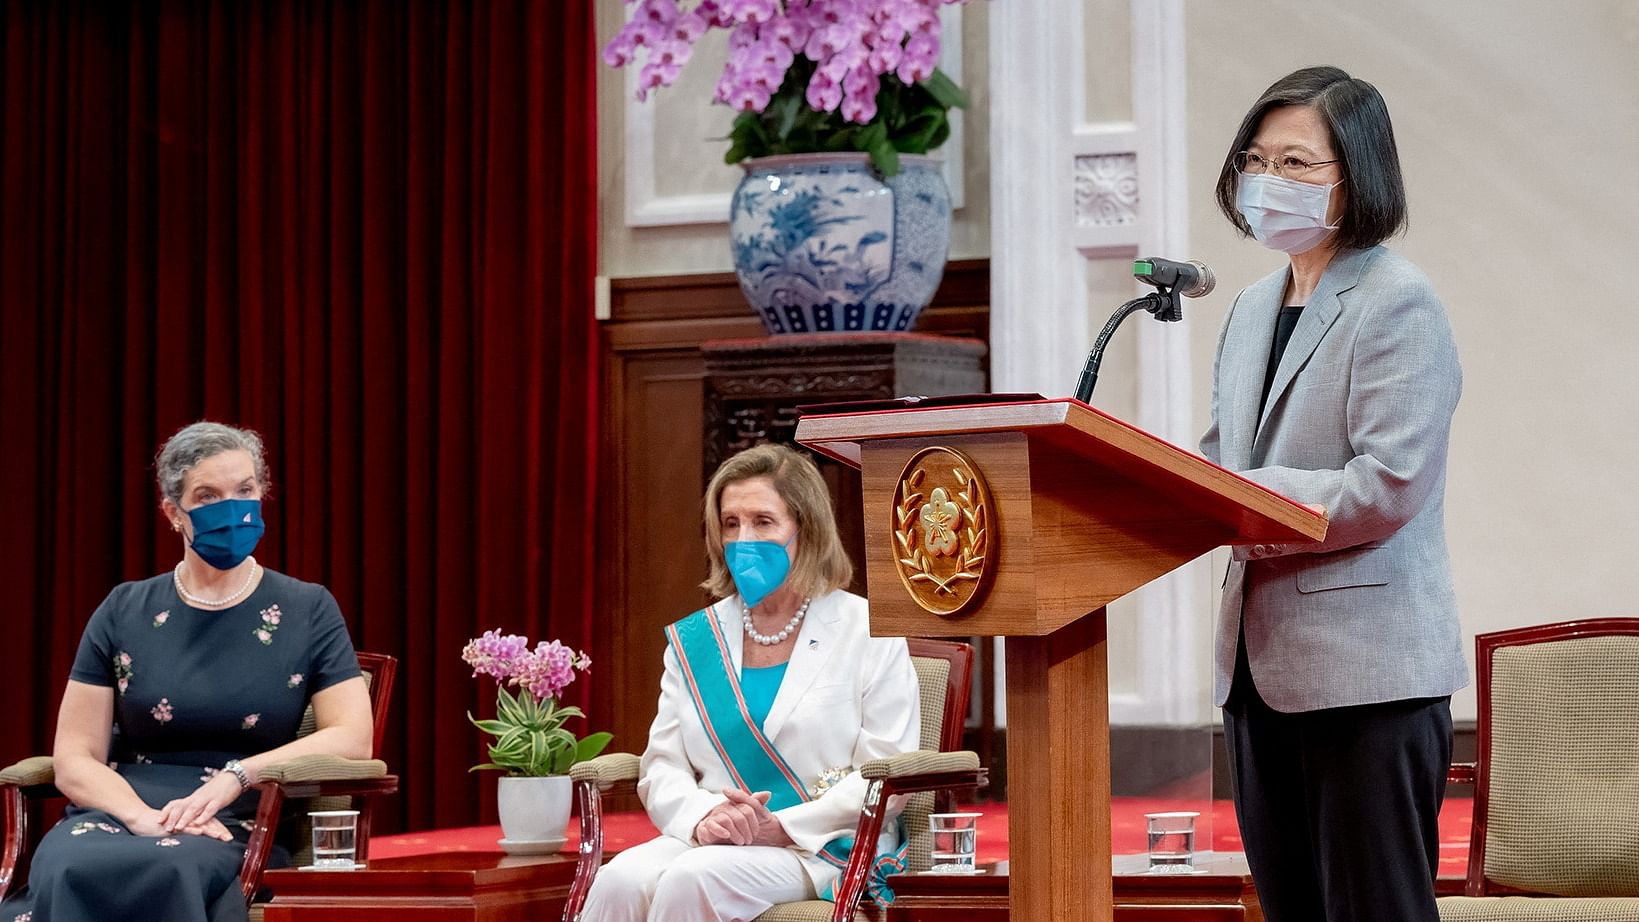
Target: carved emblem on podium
941,530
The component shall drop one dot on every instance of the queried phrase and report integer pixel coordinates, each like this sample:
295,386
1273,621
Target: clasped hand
194,814
743,819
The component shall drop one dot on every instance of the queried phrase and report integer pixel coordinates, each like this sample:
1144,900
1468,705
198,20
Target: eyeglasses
1288,167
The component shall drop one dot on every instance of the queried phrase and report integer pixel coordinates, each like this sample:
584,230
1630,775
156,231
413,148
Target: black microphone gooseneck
1171,279
1163,304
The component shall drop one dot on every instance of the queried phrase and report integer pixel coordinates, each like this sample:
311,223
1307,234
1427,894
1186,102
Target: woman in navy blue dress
185,686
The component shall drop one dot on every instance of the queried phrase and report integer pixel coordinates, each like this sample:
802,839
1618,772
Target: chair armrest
31,772
321,767
1462,773
606,771
922,762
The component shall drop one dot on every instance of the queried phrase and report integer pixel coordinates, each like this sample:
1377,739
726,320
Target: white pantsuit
846,698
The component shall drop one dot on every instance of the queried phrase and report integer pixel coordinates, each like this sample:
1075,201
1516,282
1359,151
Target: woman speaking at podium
1334,384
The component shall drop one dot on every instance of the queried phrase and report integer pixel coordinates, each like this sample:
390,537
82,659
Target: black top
1284,325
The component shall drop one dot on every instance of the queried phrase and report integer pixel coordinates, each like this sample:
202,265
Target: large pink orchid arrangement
807,75
530,737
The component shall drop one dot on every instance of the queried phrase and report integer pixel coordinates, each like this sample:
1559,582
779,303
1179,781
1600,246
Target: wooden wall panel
648,528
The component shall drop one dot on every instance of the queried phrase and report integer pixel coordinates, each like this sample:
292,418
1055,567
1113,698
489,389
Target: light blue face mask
758,567
226,531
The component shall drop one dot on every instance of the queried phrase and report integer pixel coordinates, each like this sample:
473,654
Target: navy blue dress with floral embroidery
192,689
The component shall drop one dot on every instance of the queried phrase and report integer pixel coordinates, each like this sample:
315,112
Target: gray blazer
1358,420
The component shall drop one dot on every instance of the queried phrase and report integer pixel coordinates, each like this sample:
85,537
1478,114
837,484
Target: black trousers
1339,808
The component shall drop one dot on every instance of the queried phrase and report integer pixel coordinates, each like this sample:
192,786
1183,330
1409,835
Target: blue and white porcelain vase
821,244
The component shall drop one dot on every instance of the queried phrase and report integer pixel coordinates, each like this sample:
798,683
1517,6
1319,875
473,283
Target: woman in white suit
770,700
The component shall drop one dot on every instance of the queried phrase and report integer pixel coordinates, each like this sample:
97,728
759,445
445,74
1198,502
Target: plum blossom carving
940,520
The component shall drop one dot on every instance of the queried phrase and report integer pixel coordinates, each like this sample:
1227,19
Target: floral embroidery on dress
270,623
161,618
209,773
25,917
168,842
295,680
829,779
85,826
249,723
162,711
248,825
122,670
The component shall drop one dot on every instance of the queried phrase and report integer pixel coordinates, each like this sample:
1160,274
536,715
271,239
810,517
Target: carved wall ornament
1106,190
942,531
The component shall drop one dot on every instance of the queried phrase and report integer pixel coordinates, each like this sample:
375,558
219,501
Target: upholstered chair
1556,781
326,782
944,671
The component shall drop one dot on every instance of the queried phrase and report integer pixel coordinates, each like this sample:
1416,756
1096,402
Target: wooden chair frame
16,800
851,884
1478,772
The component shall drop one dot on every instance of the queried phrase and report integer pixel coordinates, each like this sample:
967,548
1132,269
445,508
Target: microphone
1171,279
1191,279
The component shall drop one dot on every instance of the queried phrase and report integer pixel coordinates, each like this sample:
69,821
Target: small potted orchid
840,222
531,746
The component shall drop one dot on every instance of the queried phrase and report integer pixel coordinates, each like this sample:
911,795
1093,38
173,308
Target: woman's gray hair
196,442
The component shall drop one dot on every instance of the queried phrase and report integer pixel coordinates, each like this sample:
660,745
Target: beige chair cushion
1537,909
31,772
815,911
933,675
362,768
933,678
1564,768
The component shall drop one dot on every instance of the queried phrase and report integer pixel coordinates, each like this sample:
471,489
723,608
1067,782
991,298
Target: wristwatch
238,770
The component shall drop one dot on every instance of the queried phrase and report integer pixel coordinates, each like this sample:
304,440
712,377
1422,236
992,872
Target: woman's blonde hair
821,564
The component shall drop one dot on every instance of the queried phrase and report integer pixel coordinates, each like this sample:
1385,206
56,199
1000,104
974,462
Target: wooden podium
1023,519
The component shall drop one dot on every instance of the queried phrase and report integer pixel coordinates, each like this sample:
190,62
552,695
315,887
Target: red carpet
623,830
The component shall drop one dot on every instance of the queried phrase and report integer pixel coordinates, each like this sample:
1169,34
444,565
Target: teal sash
751,759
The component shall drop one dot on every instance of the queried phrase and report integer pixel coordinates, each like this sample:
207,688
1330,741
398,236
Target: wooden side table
1220,890
443,887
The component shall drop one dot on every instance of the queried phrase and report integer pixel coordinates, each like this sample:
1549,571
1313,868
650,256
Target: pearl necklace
197,602
769,640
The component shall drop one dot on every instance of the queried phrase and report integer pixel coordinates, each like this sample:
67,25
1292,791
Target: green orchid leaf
884,157
591,746
942,88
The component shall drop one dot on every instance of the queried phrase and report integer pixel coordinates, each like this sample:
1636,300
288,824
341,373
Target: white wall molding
1063,191
646,207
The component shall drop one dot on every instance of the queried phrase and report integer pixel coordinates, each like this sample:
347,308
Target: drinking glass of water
955,839
334,845
1172,841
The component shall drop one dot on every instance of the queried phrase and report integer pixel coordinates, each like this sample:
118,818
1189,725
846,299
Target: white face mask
1284,214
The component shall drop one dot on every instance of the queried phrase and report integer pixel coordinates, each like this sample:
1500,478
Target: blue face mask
758,568
226,531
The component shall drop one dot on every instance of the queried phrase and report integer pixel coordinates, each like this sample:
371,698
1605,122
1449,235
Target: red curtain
365,229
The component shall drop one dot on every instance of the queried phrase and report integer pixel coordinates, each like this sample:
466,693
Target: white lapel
817,642
728,618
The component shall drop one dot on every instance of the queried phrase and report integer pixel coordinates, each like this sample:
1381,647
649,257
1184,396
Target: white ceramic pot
534,813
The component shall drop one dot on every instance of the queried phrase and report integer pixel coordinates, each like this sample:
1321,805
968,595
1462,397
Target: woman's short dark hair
1363,138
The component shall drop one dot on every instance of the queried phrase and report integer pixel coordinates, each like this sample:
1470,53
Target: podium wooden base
1059,751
